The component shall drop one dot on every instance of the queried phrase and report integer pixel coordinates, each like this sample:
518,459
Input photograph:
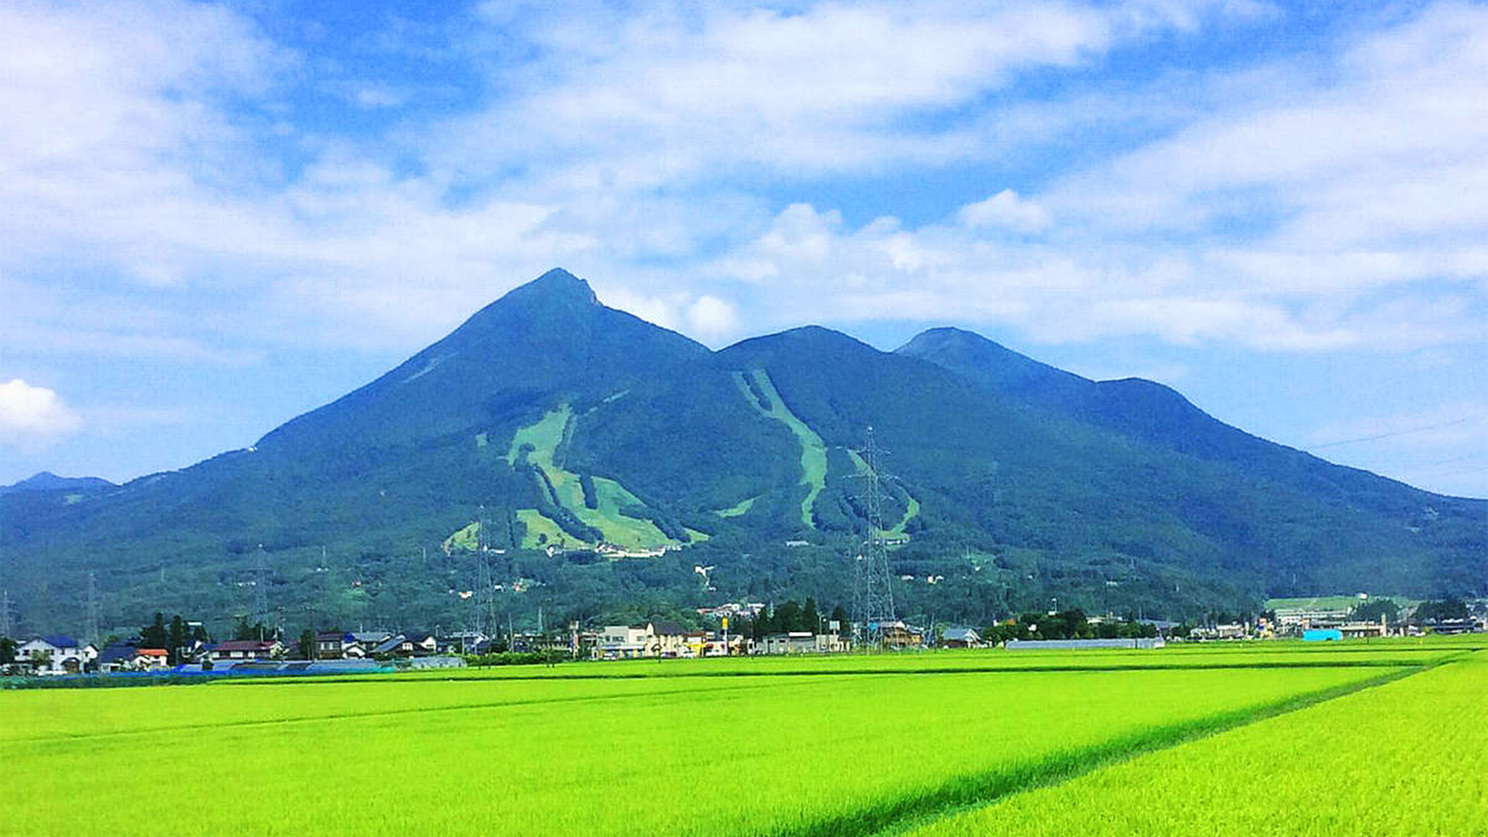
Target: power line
1392,434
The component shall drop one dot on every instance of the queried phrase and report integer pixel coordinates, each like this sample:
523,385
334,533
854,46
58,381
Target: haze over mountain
601,459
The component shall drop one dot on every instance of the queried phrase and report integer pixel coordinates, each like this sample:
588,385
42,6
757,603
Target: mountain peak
987,361
552,298
48,481
556,284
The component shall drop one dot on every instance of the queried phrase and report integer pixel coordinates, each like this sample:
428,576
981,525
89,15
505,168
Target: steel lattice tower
873,594
483,605
261,588
92,626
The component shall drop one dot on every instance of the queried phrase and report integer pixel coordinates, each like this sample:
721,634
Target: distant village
183,647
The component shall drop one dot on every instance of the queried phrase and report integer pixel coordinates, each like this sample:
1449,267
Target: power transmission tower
485,605
5,618
260,588
92,626
873,595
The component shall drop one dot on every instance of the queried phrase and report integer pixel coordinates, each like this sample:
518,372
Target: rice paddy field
1389,737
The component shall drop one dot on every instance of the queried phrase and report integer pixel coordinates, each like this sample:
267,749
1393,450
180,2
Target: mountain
1155,414
600,459
48,481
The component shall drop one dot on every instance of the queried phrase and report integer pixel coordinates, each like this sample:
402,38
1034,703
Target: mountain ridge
48,481
556,421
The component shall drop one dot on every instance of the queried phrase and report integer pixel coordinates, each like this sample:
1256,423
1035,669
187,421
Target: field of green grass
813,449
545,436
1404,758
911,507
1331,602
948,742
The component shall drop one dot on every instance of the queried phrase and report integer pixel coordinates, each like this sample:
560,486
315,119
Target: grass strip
247,679
564,672
380,713
897,816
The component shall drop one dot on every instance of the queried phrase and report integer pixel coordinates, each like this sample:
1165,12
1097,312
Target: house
239,650
1360,630
335,645
624,642
695,643
57,654
465,642
330,645
801,642
1294,620
960,638
407,645
150,659
118,656
1083,644
900,635
735,645
368,639
669,639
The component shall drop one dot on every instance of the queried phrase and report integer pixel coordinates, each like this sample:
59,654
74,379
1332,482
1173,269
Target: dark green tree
7,650
1372,609
810,619
788,616
154,634
176,638
840,617
1434,611
243,629
307,644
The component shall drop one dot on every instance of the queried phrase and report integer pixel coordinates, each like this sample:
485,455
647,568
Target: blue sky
214,217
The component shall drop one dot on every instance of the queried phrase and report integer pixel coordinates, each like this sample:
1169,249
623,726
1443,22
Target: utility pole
5,618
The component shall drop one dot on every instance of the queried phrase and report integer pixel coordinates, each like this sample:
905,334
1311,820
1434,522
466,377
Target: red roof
151,652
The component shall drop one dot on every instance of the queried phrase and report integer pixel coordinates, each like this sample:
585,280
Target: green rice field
1377,738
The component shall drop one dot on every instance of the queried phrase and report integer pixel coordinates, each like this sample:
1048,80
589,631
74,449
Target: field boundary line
965,793
249,680
381,713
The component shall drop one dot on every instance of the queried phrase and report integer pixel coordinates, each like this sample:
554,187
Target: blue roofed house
57,654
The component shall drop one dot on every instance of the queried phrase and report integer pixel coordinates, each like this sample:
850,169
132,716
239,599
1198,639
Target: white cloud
33,417
711,319
1370,168
1006,209
621,146
675,94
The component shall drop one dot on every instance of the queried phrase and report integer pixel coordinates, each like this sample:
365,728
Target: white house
622,642
57,654
801,642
